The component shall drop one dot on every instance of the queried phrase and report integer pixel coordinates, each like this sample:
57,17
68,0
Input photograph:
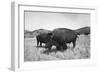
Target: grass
81,50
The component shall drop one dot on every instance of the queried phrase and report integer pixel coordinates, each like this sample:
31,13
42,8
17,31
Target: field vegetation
34,53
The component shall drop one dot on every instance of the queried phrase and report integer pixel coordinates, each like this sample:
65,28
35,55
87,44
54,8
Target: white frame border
16,19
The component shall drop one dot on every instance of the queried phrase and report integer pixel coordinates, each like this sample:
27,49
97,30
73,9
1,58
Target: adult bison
84,30
43,37
60,37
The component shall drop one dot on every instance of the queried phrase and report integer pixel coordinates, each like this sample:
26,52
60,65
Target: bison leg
64,47
48,46
60,47
74,43
37,43
40,44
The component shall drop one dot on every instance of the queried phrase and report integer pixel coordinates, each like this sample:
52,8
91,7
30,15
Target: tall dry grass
34,53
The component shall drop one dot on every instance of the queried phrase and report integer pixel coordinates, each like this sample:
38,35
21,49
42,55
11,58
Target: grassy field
34,53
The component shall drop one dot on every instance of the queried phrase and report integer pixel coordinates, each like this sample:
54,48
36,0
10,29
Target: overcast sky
50,21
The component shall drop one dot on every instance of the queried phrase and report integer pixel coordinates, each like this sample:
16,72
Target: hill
31,34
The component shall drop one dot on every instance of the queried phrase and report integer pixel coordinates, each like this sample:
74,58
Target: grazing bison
61,36
42,38
84,30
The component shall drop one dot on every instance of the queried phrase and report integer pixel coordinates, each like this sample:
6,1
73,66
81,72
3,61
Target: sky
51,20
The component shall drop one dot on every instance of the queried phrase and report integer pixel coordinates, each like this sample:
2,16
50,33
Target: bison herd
60,37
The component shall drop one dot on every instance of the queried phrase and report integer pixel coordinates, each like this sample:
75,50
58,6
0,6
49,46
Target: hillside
31,34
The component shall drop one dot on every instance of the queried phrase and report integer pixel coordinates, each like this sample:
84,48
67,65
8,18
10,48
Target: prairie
34,53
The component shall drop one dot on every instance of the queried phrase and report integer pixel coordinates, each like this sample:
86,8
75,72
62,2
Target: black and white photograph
56,36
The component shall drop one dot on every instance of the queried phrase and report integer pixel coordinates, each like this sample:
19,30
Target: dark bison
84,30
43,38
61,36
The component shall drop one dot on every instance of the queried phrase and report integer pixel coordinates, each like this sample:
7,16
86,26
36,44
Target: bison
43,37
61,36
84,30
